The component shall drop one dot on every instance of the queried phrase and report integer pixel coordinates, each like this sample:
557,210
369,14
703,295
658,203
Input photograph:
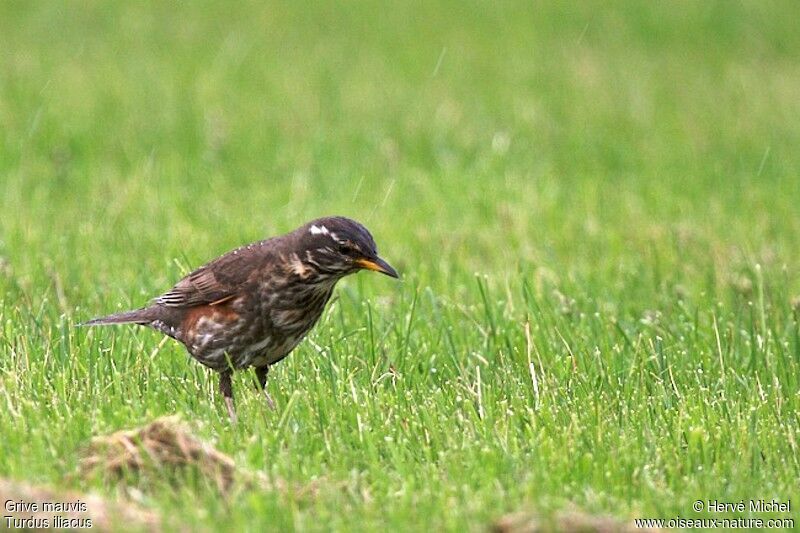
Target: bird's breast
258,329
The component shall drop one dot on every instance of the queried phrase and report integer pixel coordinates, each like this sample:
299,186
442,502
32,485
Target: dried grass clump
164,447
572,521
105,515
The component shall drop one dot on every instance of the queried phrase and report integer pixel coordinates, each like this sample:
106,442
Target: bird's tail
138,316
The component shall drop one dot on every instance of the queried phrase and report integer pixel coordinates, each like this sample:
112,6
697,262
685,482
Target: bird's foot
231,410
226,388
270,403
261,374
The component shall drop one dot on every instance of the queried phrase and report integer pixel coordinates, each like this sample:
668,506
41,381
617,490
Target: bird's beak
378,265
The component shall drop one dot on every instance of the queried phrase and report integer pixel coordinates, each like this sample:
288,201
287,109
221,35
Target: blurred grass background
623,175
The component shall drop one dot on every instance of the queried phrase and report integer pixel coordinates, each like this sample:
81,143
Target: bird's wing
216,282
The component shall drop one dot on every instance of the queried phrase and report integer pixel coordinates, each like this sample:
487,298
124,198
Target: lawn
593,207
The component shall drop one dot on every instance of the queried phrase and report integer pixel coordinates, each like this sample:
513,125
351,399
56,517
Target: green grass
621,179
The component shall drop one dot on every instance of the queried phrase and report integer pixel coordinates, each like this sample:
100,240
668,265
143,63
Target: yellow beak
378,265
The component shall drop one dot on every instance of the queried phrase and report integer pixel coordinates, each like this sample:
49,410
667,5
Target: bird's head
338,246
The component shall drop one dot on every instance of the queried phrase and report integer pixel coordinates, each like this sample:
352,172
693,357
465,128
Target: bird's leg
226,388
261,374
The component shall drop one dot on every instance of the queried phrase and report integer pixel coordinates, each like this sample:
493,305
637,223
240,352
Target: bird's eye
344,249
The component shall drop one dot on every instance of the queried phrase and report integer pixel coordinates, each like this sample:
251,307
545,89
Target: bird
253,305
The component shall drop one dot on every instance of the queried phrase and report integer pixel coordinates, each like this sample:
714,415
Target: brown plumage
253,305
